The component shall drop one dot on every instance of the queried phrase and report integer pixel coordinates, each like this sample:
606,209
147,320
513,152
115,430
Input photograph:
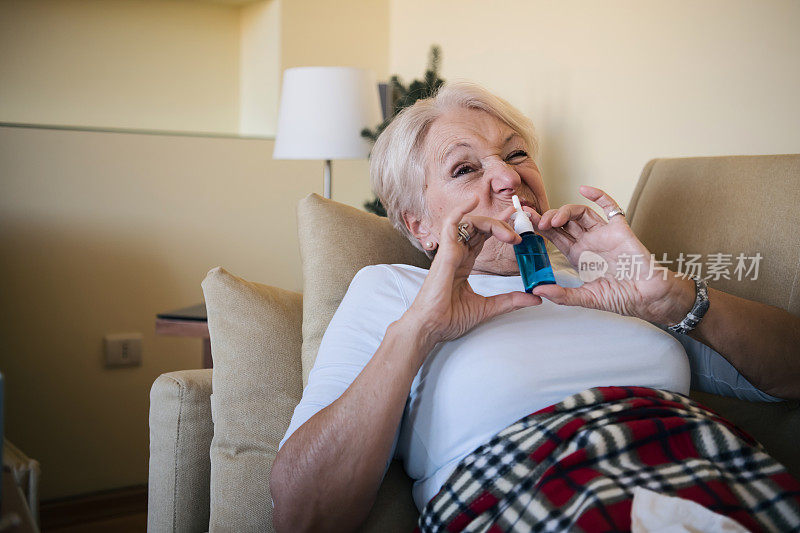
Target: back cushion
336,241
730,205
255,341
734,204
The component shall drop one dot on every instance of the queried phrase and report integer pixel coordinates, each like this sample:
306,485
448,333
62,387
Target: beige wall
613,84
101,231
259,67
281,34
120,63
351,33
171,65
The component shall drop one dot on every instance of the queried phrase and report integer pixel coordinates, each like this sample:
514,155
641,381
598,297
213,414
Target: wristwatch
699,309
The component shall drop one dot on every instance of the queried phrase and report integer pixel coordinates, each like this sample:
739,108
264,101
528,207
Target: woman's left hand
633,284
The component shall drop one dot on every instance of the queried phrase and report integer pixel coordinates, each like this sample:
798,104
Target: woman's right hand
446,306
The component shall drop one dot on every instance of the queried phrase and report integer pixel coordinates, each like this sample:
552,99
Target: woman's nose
503,177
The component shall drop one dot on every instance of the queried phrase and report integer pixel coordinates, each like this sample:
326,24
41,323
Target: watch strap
701,304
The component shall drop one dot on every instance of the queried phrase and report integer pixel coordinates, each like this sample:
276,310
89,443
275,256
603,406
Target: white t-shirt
469,389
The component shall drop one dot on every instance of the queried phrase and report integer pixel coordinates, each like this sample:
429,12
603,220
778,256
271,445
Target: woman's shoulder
388,281
384,272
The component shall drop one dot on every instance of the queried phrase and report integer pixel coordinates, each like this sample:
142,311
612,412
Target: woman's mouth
527,203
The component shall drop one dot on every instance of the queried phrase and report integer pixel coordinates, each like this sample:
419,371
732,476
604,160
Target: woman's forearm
326,475
760,340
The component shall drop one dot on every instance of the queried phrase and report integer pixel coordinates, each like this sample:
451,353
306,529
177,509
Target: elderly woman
429,365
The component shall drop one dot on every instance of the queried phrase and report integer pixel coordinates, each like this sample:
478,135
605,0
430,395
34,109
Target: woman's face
469,152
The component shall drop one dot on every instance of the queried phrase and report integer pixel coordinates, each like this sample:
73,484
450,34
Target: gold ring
463,233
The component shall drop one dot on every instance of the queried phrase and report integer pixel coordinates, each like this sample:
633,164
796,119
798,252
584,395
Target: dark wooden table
187,322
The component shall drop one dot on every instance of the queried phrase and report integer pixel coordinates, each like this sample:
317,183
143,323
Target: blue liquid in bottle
533,261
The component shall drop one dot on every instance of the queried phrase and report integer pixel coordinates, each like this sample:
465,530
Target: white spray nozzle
521,221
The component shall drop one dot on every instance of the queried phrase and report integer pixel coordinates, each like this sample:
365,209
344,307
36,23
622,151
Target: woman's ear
421,231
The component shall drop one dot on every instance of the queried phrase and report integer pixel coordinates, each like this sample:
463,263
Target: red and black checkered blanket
573,467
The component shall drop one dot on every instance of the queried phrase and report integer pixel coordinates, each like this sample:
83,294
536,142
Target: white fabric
470,388
652,512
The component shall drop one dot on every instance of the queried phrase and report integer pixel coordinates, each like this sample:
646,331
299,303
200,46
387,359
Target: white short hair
397,163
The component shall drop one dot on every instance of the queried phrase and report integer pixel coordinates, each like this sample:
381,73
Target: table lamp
322,113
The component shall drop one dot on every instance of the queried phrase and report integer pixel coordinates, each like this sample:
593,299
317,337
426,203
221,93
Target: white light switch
123,349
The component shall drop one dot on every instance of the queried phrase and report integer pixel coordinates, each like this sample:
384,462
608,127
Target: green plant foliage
401,97
375,206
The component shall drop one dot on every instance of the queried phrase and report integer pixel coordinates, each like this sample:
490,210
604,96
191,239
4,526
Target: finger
472,244
602,199
558,236
506,213
564,214
573,229
511,301
583,217
449,234
450,254
473,248
455,216
509,215
544,223
545,226
492,227
565,296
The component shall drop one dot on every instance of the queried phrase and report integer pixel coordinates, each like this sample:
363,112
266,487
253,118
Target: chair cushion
255,342
731,205
394,508
336,241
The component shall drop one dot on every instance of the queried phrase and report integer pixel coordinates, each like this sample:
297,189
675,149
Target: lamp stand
326,176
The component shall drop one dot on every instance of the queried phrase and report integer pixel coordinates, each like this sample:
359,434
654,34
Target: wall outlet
123,349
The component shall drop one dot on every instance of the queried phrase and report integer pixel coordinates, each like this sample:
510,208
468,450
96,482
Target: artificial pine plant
402,97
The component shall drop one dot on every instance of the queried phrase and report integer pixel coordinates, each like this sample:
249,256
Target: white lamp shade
322,113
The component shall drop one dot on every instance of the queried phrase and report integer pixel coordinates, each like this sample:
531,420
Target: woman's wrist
413,329
677,300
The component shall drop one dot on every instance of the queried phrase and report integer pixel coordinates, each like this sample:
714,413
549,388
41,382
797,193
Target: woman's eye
460,171
517,154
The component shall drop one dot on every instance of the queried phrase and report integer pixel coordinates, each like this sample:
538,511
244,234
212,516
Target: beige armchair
211,454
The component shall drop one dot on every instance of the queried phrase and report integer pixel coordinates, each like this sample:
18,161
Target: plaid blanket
573,467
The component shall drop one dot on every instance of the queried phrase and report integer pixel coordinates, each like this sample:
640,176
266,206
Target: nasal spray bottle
532,258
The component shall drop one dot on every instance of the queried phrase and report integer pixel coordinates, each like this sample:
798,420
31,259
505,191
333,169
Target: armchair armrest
181,430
